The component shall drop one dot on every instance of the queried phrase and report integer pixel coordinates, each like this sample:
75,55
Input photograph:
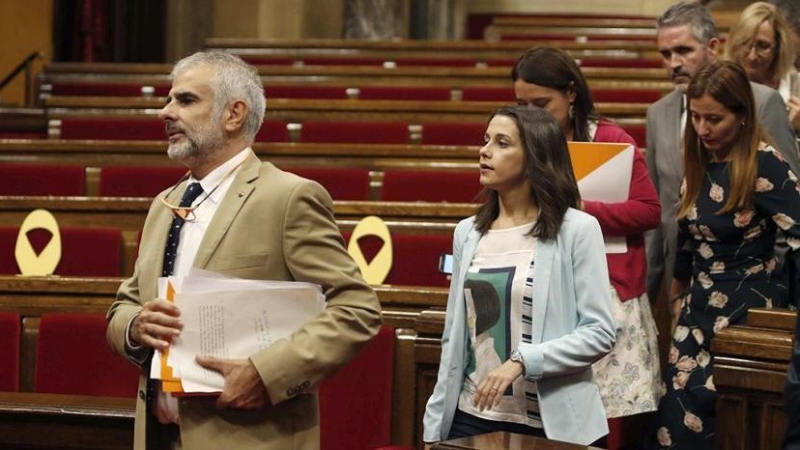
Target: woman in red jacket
628,378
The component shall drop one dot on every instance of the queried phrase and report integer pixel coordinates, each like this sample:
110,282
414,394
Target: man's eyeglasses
182,212
186,213
761,48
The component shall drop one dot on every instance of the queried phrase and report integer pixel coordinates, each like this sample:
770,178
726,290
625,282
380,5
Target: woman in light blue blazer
519,360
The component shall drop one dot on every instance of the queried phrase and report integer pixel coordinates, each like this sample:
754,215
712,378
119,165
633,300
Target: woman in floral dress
737,192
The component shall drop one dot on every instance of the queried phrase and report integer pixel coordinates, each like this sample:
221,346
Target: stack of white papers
229,318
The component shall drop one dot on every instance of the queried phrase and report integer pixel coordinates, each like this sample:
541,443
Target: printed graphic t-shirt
498,296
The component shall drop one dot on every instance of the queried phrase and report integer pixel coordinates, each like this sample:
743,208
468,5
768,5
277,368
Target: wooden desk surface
52,421
506,441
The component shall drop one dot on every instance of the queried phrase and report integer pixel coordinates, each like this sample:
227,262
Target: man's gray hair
791,11
690,13
234,80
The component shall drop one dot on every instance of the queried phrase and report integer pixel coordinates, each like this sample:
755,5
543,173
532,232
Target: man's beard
198,144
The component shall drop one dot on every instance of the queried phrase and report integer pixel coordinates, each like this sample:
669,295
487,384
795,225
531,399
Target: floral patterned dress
730,260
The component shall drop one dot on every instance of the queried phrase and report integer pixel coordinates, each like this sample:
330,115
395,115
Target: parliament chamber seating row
94,251
752,361
152,153
621,75
343,183
53,334
309,131
391,50
338,92
336,60
72,358
100,251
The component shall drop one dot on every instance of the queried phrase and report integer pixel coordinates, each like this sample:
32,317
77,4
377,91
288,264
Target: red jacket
631,218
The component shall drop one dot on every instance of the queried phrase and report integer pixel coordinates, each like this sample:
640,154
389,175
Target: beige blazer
271,225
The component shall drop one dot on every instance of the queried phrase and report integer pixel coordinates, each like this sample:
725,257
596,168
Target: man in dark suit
250,220
688,40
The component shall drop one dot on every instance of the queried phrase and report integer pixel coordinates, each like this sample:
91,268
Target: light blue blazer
572,327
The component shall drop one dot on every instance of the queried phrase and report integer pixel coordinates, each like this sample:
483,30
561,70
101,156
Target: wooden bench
499,29
116,88
23,123
453,77
750,366
419,48
111,419
128,214
99,153
299,110
56,421
749,372
576,21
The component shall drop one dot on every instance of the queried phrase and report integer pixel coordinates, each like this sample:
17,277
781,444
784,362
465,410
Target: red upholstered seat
84,251
354,132
268,60
416,257
355,404
272,131
146,129
73,357
616,433
435,62
501,62
404,93
446,133
342,61
342,183
488,93
626,95
121,181
105,89
570,37
304,91
23,134
639,63
42,179
457,186
638,133
10,329
8,262
416,260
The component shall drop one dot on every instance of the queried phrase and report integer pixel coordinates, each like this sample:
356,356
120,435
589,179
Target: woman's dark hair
553,68
487,304
547,167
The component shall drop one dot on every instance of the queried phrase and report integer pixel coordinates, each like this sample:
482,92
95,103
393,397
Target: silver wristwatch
516,356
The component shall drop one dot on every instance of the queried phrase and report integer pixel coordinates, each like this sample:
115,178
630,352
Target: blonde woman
761,41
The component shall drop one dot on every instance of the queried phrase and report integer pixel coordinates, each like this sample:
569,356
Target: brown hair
726,82
555,69
547,167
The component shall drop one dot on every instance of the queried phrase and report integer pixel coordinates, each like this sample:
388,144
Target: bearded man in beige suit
253,221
